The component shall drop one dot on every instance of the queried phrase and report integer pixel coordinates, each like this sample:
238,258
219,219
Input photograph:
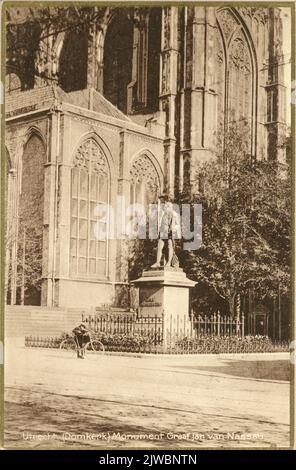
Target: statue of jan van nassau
163,290
168,228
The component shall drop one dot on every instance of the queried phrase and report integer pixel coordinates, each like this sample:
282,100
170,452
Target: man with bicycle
81,337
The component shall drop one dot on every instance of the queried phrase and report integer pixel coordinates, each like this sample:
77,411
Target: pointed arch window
235,73
73,61
118,57
240,80
154,49
90,187
145,183
30,223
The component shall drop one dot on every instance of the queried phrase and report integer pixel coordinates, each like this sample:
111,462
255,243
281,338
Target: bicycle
70,344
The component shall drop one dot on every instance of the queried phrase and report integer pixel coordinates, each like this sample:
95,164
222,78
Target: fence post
163,333
155,330
218,323
191,323
214,317
227,325
237,326
199,324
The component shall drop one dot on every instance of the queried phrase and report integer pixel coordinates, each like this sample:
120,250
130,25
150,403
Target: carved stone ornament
239,55
166,28
227,22
90,157
219,47
165,73
143,170
261,14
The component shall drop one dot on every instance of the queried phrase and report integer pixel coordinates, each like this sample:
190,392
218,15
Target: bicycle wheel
69,345
95,346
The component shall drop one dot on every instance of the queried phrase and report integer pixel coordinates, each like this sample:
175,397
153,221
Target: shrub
202,344
111,340
229,344
125,341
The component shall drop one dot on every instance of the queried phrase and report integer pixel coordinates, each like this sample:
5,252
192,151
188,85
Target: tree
24,229
246,227
24,269
30,31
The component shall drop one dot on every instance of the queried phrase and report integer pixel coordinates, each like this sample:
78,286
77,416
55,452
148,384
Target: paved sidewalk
54,400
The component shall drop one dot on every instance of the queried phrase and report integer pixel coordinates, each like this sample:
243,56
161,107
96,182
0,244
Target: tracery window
240,80
145,182
90,184
220,83
235,72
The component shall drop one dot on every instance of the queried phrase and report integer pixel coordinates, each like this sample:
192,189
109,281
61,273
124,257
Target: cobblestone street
55,401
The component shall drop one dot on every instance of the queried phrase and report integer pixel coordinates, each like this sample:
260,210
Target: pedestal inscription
164,292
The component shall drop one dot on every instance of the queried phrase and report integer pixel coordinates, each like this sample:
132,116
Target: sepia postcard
147,224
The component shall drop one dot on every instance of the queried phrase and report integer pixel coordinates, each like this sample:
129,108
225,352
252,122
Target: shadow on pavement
271,370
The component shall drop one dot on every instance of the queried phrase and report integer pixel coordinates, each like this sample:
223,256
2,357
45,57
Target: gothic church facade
129,105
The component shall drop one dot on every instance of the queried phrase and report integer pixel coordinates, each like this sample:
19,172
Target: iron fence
150,327
163,326
203,344
219,325
169,334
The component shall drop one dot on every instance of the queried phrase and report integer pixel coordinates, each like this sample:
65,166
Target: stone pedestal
164,292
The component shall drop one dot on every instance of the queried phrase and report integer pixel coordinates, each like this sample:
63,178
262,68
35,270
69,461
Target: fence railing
158,327
151,326
110,323
204,344
172,334
219,325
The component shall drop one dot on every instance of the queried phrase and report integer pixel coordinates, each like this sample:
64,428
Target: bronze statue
165,230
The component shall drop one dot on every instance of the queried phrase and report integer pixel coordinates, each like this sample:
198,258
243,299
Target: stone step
42,321
25,320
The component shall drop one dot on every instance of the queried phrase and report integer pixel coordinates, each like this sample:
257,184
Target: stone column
63,208
198,113
50,209
168,89
261,150
121,283
91,57
276,91
99,59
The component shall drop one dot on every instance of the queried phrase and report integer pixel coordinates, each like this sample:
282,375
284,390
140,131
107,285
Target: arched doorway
118,55
30,223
